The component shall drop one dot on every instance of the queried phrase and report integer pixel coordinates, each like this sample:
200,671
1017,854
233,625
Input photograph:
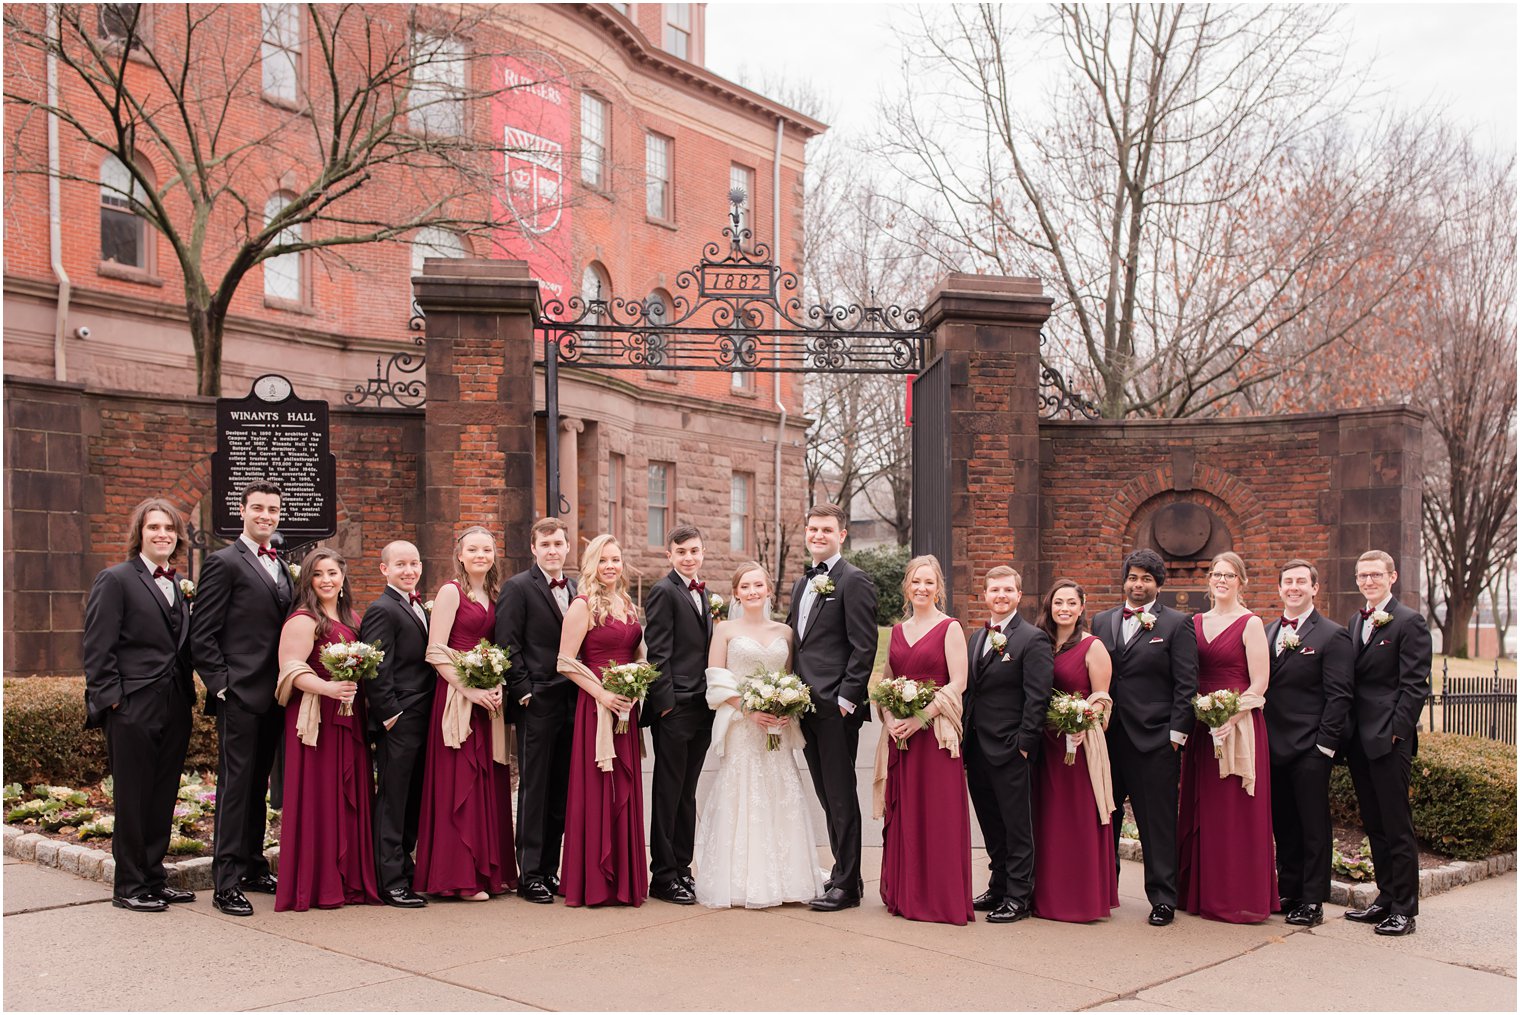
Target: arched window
432,241
595,285
659,311
284,276
125,239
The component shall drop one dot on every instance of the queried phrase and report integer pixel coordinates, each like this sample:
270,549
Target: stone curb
98,865
1433,881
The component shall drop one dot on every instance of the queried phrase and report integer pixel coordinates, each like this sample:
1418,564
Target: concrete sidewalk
67,948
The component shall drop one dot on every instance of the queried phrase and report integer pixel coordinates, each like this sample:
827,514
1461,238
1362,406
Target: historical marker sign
272,434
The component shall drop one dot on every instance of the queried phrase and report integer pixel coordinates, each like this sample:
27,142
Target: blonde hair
492,582
1004,571
599,597
1378,555
745,568
1232,558
932,562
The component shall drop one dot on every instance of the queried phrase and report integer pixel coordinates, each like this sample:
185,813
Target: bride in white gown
755,844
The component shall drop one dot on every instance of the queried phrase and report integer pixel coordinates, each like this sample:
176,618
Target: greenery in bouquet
776,693
629,680
1214,710
483,667
905,698
352,660
1071,714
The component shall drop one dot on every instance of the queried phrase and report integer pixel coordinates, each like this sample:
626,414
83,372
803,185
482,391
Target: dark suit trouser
246,751
1382,795
1000,797
1149,779
680,744
545,731
1301,826
399,756
146,741
832,740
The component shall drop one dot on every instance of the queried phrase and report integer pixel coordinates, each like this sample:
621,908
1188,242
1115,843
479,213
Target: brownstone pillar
478,447
987,331
1374,502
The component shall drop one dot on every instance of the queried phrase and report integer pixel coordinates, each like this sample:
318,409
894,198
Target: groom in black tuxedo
1003,713
678,631
399,701
245,594
833,619
1391,677
137,684
1155,657
1306,718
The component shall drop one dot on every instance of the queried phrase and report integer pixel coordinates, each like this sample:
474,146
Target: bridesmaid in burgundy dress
605,861
327,857
465,847
926,830
1224,833
1075,877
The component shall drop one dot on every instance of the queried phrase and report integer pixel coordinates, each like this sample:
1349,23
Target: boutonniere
295,572
427,607
187,589
1290,642
999,642
715,606
823,585
1381,617
1147,619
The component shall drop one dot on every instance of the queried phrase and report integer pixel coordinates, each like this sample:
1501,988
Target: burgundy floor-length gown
327,856
1075,877
1225,868
926,829
464,838
605,861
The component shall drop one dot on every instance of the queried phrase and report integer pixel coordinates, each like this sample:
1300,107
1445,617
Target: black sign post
272,434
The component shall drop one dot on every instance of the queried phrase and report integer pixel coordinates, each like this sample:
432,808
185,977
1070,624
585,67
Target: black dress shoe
1287,905
173,895
1375,913
1161,914
987,901
673,891
1008,911
536,891
689,881
553,882
402,898
264,883
1395,926
232,902
145,903
1307,914
834,900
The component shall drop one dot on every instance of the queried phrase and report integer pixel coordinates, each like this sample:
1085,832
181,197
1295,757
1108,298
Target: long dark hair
140,518
306,594
1047,621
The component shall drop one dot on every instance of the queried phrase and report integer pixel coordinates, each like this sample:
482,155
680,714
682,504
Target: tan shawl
947,733
309,719
1097,763
606,749
1237,746
456,718
722,685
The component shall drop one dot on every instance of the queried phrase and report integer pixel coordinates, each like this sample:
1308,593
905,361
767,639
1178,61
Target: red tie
1290,622
1368,611
163,572
696,586
559,583
416,599
270,552
1128,613
994,628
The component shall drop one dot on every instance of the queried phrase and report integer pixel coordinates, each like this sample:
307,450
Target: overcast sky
1460,56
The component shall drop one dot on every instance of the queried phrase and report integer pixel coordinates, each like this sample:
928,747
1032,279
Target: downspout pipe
776,376
55,212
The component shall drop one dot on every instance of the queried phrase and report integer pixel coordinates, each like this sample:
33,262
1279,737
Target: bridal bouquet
776,693
1071,714
1214,710
351,660
628,680
905,698
483,667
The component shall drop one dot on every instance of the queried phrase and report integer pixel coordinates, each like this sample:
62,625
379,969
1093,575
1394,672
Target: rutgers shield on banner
532,119
535,180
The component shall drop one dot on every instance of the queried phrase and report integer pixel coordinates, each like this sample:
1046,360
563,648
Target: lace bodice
746,656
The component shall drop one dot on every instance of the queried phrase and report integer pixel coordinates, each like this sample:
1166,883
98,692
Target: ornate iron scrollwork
398,378
1058,400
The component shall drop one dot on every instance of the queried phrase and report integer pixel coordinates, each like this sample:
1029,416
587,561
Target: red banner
532,119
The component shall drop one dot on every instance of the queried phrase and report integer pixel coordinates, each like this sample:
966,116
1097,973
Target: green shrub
885,565
1461,794
46,742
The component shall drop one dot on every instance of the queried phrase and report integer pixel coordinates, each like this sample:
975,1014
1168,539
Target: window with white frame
661,477
657,169
117,23
283,274
433,241
595,114
438,86
742,488
280,52
595,285
678,30
124,233
743,178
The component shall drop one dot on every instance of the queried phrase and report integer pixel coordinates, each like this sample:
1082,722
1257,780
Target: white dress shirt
406,597
1367,627
165,585
270,564
999,622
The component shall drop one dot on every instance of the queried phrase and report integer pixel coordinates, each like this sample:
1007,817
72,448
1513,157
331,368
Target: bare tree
386,133
1196,196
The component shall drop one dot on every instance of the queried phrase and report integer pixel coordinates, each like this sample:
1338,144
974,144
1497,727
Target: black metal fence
931,466
1479,706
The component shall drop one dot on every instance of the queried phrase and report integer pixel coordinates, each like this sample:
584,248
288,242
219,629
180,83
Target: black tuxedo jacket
528,622
132,638
1155,675
1309,694
235,627
1005,701
1391,679
405,680
838,649
677,636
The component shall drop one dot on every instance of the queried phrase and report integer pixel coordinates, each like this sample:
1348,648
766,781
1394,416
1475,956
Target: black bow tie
814,570
163,572
559,583
696,586
1290,622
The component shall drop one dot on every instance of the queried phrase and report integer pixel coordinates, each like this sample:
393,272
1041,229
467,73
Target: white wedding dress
755,845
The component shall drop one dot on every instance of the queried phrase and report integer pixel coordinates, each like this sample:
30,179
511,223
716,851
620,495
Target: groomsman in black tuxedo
529,613
1155,654
1306,718
1391,682
400,703
677,631
833,619
1003,714
245,594
137,685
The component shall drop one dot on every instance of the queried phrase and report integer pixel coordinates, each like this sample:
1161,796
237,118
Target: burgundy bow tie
989,625
415,598
163,572
1368,611
1290,622
269,551
559,583
1128,613
696,586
